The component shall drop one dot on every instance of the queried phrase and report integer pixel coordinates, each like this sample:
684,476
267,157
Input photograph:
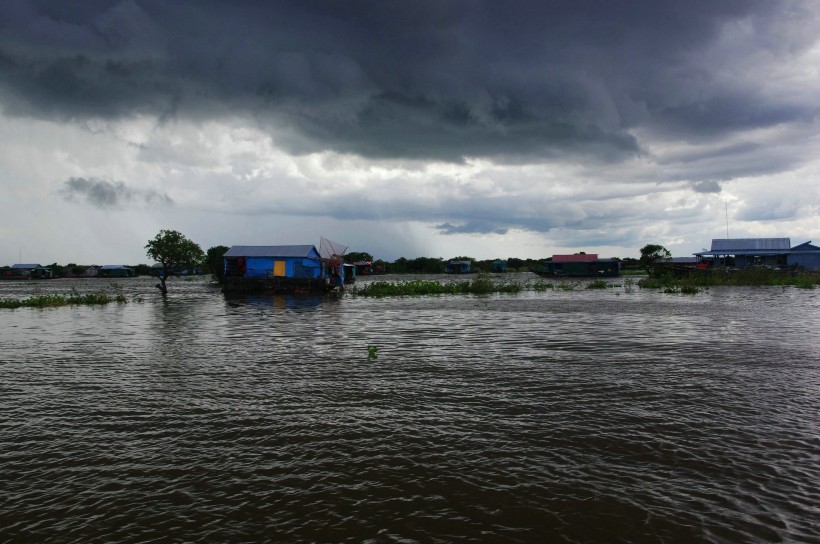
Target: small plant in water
372,352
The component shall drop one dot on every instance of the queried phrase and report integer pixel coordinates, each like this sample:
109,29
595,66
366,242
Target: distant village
294,261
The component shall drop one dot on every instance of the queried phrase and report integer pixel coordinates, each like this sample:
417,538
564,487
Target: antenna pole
727,220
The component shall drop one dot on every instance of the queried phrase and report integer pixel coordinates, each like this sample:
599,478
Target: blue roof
273,251
114,267
26,266
750,244
805,247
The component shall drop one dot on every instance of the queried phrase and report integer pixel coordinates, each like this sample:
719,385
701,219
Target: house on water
805,256
499,266
115,271
459,267
25,271
287,268
580,265
765,252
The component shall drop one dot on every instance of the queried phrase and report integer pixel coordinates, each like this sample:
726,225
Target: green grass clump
480,285
597,284
750,277
541,286
52,301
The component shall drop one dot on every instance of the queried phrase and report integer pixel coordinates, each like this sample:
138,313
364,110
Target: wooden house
28,271
115,271
459,267
499,266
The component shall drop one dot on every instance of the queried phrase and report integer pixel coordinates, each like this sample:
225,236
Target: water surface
618,415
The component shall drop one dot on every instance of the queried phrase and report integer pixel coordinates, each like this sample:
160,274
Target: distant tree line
213,264
175,254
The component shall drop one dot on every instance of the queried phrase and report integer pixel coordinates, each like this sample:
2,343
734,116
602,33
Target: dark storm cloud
421,79
706,186
471,227
107,194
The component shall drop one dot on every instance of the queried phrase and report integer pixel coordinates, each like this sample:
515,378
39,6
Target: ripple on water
575,416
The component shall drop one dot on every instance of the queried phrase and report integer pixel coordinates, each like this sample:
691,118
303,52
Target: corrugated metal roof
113,267
272,251
751,244
586,258
26,266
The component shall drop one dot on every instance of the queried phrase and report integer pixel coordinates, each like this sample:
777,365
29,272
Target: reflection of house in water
27,271
765,252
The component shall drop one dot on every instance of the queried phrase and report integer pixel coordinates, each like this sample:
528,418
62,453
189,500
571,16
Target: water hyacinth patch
52,301
481,285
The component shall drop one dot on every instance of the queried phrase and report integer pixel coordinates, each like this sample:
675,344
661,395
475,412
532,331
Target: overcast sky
422,128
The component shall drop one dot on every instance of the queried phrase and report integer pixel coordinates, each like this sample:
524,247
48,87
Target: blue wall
295,267
809,261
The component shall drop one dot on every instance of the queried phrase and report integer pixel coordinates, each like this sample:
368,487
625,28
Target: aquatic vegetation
480,285
541,286
751,277
372,352
74,299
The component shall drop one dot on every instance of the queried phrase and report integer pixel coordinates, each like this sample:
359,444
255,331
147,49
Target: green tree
175,253
651,254
142,270
56,270
215,262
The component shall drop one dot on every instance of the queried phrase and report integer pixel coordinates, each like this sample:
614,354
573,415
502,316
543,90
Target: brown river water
617,415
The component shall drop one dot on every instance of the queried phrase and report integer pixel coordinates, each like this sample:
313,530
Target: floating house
287,268
459,267
115,271
804,257
499,266
747,252
764,252
27,272
367,268
580,265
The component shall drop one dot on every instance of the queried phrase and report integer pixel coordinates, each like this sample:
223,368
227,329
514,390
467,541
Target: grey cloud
422,79
706,186
774,209
107,194
471,227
